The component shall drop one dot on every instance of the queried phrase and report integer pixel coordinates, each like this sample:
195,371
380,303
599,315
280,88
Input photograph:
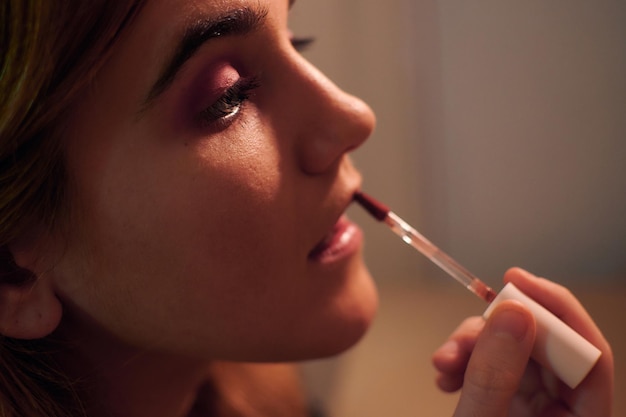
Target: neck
119,380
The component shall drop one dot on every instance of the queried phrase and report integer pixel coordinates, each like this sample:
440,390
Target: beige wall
535,133
501,136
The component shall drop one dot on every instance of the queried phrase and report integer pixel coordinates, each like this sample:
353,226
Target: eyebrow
234,22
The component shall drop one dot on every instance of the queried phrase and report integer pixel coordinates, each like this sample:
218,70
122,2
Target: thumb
498,361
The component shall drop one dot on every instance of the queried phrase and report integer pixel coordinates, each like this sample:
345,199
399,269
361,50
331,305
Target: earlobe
29,310
29,306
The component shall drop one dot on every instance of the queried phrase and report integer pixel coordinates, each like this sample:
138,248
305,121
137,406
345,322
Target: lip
343,238
342,241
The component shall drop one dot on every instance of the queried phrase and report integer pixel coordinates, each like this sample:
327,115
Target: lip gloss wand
414,238
557,347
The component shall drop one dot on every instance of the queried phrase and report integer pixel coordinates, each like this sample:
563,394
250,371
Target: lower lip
346,240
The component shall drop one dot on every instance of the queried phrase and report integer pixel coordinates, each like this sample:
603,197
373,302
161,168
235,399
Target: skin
193,241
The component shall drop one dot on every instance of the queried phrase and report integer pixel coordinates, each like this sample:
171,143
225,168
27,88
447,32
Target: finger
498,362
453,355
450,382
559,300
594,396
556,298
451,362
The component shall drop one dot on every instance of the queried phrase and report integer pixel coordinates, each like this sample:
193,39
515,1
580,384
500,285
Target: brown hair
49,52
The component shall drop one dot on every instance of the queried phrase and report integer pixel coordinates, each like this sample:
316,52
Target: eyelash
301,44
228,106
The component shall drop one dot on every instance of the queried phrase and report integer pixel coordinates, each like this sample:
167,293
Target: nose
331,121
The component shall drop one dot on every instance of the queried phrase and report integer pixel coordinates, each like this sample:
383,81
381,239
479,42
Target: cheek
185,211
192,211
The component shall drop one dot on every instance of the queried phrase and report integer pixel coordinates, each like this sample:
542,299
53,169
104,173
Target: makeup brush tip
377,209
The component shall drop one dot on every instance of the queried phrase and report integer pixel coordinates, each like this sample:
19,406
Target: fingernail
509,322
530,274
449,349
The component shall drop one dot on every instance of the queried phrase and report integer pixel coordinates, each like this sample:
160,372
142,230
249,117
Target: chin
347,319
331,325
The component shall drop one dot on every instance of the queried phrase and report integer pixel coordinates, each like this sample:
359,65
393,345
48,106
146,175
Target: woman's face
209,170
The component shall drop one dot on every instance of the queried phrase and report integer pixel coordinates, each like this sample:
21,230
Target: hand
490,360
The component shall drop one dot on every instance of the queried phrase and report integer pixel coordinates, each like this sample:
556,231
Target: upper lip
345,200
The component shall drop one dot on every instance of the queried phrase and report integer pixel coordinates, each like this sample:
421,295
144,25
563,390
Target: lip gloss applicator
557,348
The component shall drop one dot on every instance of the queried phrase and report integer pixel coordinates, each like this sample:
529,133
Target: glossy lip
343,240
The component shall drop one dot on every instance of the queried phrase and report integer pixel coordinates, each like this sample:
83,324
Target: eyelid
229,104
301,44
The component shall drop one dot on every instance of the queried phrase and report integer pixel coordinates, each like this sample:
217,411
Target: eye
228,106
301,44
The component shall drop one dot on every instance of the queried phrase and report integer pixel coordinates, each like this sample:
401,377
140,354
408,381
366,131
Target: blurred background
501,137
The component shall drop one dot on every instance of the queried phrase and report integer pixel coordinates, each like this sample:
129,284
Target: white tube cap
558,347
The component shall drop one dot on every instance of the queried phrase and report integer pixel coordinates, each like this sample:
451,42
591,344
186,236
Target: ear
29,308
